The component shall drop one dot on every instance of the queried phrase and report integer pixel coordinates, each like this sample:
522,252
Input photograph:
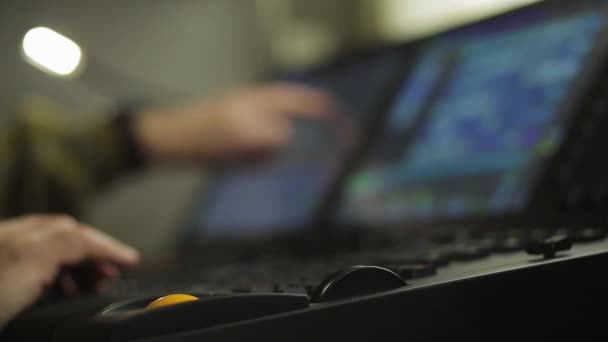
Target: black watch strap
123,123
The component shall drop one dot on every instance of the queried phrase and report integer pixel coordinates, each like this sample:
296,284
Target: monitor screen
285,194
469,131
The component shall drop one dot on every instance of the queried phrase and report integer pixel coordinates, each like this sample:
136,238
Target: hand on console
33,250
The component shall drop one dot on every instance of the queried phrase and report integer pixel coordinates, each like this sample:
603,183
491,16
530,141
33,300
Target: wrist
124,123
149,130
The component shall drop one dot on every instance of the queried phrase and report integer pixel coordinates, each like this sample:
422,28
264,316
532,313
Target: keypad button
437,257
588,235
414,271
510,244
468,252
549,247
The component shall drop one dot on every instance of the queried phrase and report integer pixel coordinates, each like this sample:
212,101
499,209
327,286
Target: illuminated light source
51,52
401,19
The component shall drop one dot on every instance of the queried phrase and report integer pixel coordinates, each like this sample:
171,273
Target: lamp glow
51,52
401,19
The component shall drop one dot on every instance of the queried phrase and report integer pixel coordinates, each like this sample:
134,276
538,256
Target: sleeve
49,163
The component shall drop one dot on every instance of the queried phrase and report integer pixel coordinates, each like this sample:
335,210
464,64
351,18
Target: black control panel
532,282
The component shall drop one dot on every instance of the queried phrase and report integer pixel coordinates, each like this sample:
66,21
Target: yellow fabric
49,163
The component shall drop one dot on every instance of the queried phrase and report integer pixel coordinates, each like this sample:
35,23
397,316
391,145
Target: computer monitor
284,195
475,122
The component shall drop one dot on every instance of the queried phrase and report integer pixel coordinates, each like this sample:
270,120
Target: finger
302,101
19,225
102,247
68,242
275,135
33,240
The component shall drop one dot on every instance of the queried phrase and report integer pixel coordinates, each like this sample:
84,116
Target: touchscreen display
285,194
474,122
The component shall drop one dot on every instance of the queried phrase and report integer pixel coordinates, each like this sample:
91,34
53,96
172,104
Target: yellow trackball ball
171,300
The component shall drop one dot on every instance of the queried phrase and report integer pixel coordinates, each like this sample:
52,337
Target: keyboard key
437,257
292,288
468,252
242,289
539,234
309,288
414,271
390,260
550,246
510,244
296,289
490,244
444,239
588,235
277,288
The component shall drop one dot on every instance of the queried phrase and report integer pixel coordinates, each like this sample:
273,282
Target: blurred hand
246,124
34,249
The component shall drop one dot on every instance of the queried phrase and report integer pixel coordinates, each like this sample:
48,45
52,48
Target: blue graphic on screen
475,132
284,195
